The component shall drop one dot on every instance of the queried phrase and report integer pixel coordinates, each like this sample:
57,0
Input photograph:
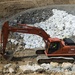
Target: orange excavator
55,48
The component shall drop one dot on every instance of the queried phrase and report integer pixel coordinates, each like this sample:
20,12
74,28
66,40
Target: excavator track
42,58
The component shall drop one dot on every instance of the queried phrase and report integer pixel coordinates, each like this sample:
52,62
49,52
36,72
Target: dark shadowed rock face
35,16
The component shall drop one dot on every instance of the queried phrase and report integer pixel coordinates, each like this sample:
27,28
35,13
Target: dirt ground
11,7
22,57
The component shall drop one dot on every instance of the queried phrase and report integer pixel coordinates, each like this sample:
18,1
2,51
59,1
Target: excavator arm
22,28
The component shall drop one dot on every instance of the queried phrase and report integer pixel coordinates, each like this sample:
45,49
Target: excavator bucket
8,55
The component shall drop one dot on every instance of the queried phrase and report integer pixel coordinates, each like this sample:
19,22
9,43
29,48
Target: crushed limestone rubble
61,25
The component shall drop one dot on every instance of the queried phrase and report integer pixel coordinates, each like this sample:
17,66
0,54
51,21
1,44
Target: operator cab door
54,46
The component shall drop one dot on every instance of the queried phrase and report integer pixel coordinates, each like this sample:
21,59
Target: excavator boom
22,28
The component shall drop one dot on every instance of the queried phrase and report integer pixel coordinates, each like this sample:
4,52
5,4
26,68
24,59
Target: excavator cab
54,46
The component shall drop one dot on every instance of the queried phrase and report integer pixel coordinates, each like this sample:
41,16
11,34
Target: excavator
55,49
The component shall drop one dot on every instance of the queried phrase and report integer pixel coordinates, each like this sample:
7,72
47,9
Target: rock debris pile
53,67
60,25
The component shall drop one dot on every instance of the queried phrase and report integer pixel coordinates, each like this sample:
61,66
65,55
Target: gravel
43,68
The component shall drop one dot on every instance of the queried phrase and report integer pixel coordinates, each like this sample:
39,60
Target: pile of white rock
60,25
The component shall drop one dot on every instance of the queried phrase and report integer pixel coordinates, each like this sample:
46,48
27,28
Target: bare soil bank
11,7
